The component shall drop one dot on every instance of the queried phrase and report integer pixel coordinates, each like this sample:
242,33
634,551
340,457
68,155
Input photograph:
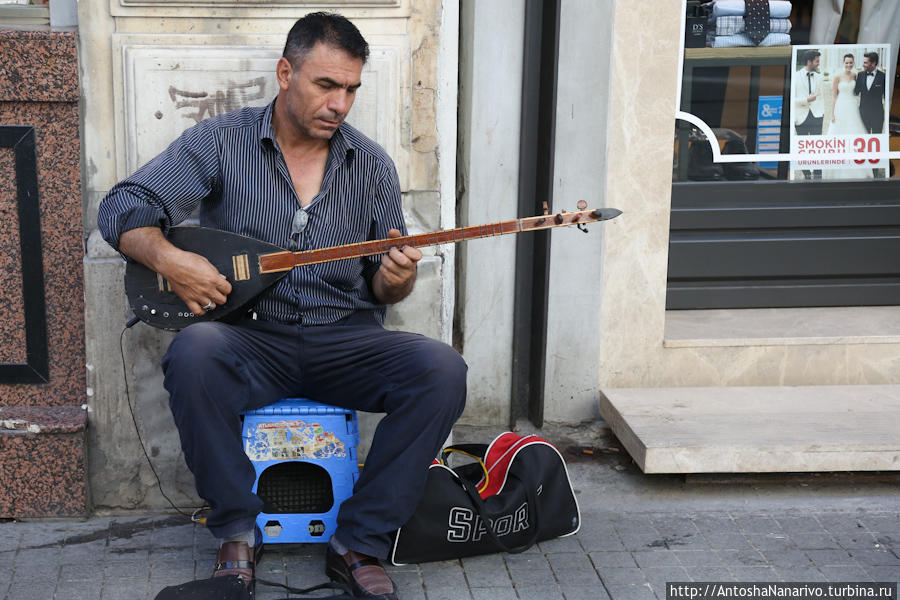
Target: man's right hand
196,281
191,276
812,98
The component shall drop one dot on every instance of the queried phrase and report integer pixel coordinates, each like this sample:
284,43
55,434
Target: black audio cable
192,516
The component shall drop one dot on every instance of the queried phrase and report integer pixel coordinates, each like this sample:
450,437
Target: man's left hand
395,278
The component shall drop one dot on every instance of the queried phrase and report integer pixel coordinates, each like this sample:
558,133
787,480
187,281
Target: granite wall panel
43,458
12,307
62,250
42,365
38,66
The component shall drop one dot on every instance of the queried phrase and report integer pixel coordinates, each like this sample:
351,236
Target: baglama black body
234,255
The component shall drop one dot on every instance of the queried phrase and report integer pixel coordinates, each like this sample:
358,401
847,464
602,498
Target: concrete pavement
638,532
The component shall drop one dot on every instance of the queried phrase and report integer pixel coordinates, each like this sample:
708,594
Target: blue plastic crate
304,453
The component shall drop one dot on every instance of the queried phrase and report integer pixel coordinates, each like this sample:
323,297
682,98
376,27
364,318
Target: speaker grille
295,487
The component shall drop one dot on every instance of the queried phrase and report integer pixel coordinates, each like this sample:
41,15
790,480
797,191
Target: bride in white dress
845,119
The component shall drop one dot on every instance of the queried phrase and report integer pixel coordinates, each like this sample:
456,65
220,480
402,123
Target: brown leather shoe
363,574
238,558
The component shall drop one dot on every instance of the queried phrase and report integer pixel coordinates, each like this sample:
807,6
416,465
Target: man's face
319,93
812,65
868,66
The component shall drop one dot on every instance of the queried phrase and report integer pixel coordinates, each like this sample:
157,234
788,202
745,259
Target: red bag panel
498,457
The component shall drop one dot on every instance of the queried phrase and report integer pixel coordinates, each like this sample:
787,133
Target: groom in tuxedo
809,105
870,89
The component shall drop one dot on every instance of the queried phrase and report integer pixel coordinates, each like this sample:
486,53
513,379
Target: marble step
757,429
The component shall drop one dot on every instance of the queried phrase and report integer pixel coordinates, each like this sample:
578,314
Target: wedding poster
839,98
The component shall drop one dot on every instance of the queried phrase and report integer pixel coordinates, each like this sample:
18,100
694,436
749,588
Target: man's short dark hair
330,28
810,56
872,56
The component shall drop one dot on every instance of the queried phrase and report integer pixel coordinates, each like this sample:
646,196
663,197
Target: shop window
745,95
785,174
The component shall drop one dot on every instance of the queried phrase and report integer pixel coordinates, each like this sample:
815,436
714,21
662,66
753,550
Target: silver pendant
298,224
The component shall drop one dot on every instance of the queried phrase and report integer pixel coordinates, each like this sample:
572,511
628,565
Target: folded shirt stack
726,25
742,39
778,9
735,24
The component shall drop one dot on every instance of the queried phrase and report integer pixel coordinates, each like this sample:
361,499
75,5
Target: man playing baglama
295,174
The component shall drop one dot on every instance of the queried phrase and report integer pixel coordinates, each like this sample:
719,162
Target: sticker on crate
291,440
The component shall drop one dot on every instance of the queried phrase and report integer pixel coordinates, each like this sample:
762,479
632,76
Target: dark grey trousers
214,371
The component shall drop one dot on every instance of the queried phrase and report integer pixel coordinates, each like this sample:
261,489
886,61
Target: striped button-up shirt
231,167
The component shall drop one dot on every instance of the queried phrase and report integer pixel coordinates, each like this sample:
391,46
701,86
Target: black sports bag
518,493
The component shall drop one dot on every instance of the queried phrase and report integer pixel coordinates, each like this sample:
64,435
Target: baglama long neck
283,261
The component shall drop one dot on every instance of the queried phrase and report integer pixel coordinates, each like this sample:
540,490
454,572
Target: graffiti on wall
201,105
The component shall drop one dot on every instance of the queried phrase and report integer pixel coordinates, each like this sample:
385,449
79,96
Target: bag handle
478,503
476,451
342,587
479,450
